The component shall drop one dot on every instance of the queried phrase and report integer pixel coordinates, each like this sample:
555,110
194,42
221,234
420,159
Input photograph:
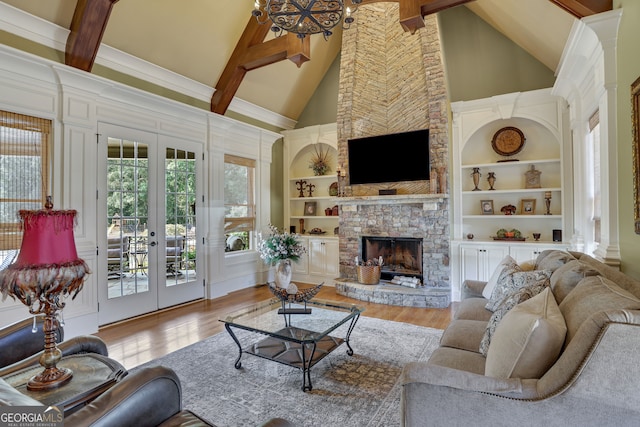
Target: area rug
358,390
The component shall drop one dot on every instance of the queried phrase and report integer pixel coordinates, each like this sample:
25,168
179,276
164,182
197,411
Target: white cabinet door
470,267
524,253
323,257
492,257
478,262
331,258
316,256
302,265
529,252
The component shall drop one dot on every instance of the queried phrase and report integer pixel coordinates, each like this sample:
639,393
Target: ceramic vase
283,273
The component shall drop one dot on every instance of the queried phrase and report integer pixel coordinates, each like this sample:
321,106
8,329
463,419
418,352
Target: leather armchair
149,397
22,348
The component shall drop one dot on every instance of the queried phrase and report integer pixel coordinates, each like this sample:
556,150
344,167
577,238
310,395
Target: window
239,205
24,172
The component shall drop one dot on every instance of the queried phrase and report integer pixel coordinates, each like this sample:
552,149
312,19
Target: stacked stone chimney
392,81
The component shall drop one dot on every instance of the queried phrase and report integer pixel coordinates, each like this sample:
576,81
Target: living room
81,106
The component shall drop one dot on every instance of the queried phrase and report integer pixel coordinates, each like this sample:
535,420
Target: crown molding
38,30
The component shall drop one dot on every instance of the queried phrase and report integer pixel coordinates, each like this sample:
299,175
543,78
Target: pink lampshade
48,238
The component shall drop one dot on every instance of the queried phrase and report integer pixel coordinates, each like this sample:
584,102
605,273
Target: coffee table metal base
292,352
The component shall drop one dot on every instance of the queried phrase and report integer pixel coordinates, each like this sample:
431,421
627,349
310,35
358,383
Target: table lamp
47,268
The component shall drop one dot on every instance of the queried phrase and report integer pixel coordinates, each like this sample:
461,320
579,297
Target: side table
93,374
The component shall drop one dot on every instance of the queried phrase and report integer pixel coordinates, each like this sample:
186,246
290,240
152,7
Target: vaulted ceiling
197,39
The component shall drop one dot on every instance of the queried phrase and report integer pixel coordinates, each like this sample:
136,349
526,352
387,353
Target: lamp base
50,378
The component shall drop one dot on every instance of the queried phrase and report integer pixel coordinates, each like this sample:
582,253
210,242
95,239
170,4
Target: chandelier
304,17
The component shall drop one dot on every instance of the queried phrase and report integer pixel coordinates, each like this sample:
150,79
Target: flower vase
283,273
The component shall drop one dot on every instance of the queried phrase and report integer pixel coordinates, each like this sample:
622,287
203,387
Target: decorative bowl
303,295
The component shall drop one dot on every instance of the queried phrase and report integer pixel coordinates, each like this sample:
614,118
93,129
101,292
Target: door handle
152,243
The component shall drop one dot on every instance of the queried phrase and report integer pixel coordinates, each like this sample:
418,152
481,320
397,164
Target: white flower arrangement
279,245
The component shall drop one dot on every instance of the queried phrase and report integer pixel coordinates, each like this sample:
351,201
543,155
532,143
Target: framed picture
309,208
528,207
486,206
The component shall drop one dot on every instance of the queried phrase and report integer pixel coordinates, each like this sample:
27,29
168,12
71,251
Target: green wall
628,70
323,106
480,62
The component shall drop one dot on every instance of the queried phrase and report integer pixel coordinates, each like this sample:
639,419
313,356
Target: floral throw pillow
507,304
500,289
511,282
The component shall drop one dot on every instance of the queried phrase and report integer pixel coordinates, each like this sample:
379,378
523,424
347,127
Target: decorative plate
508,141
333,189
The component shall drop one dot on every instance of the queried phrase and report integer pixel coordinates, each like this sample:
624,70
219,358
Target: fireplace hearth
402,256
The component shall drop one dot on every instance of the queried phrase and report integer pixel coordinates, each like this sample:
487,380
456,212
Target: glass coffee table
299,336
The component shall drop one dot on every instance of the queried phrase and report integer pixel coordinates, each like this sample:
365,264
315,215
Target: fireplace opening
401,256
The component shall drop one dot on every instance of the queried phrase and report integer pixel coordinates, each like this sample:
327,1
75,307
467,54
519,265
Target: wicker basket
368,274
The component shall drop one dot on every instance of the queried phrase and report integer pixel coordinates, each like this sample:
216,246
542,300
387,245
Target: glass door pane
180,275
127,216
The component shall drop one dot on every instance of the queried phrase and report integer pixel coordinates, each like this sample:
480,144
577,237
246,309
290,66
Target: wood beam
87,28
253,52
582,8
412,12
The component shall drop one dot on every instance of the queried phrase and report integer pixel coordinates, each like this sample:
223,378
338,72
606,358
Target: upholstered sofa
566,354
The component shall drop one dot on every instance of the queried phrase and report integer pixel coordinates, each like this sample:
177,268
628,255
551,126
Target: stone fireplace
392,81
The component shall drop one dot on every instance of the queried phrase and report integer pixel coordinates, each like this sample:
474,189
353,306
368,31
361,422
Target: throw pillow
512,282
493,280
553,259
521,295
528,340
565,278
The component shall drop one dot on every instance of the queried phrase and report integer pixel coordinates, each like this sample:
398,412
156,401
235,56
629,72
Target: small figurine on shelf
532,178
311,187
508,210
301,185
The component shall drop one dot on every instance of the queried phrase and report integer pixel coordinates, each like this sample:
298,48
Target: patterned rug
358,390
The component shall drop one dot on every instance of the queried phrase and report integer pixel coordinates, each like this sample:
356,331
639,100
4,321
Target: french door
148,239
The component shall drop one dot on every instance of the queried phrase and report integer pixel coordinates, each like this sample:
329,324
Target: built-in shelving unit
541,118
300,145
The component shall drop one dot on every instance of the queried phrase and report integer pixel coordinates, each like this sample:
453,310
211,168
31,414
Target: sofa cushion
473,309
507,262
565,278
510,301
456,358
528,340
463,334
510,283
591,295
553,259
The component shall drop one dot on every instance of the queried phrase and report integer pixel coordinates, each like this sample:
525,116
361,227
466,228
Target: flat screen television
389,158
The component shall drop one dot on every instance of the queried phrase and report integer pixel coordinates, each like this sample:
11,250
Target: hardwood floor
136,341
